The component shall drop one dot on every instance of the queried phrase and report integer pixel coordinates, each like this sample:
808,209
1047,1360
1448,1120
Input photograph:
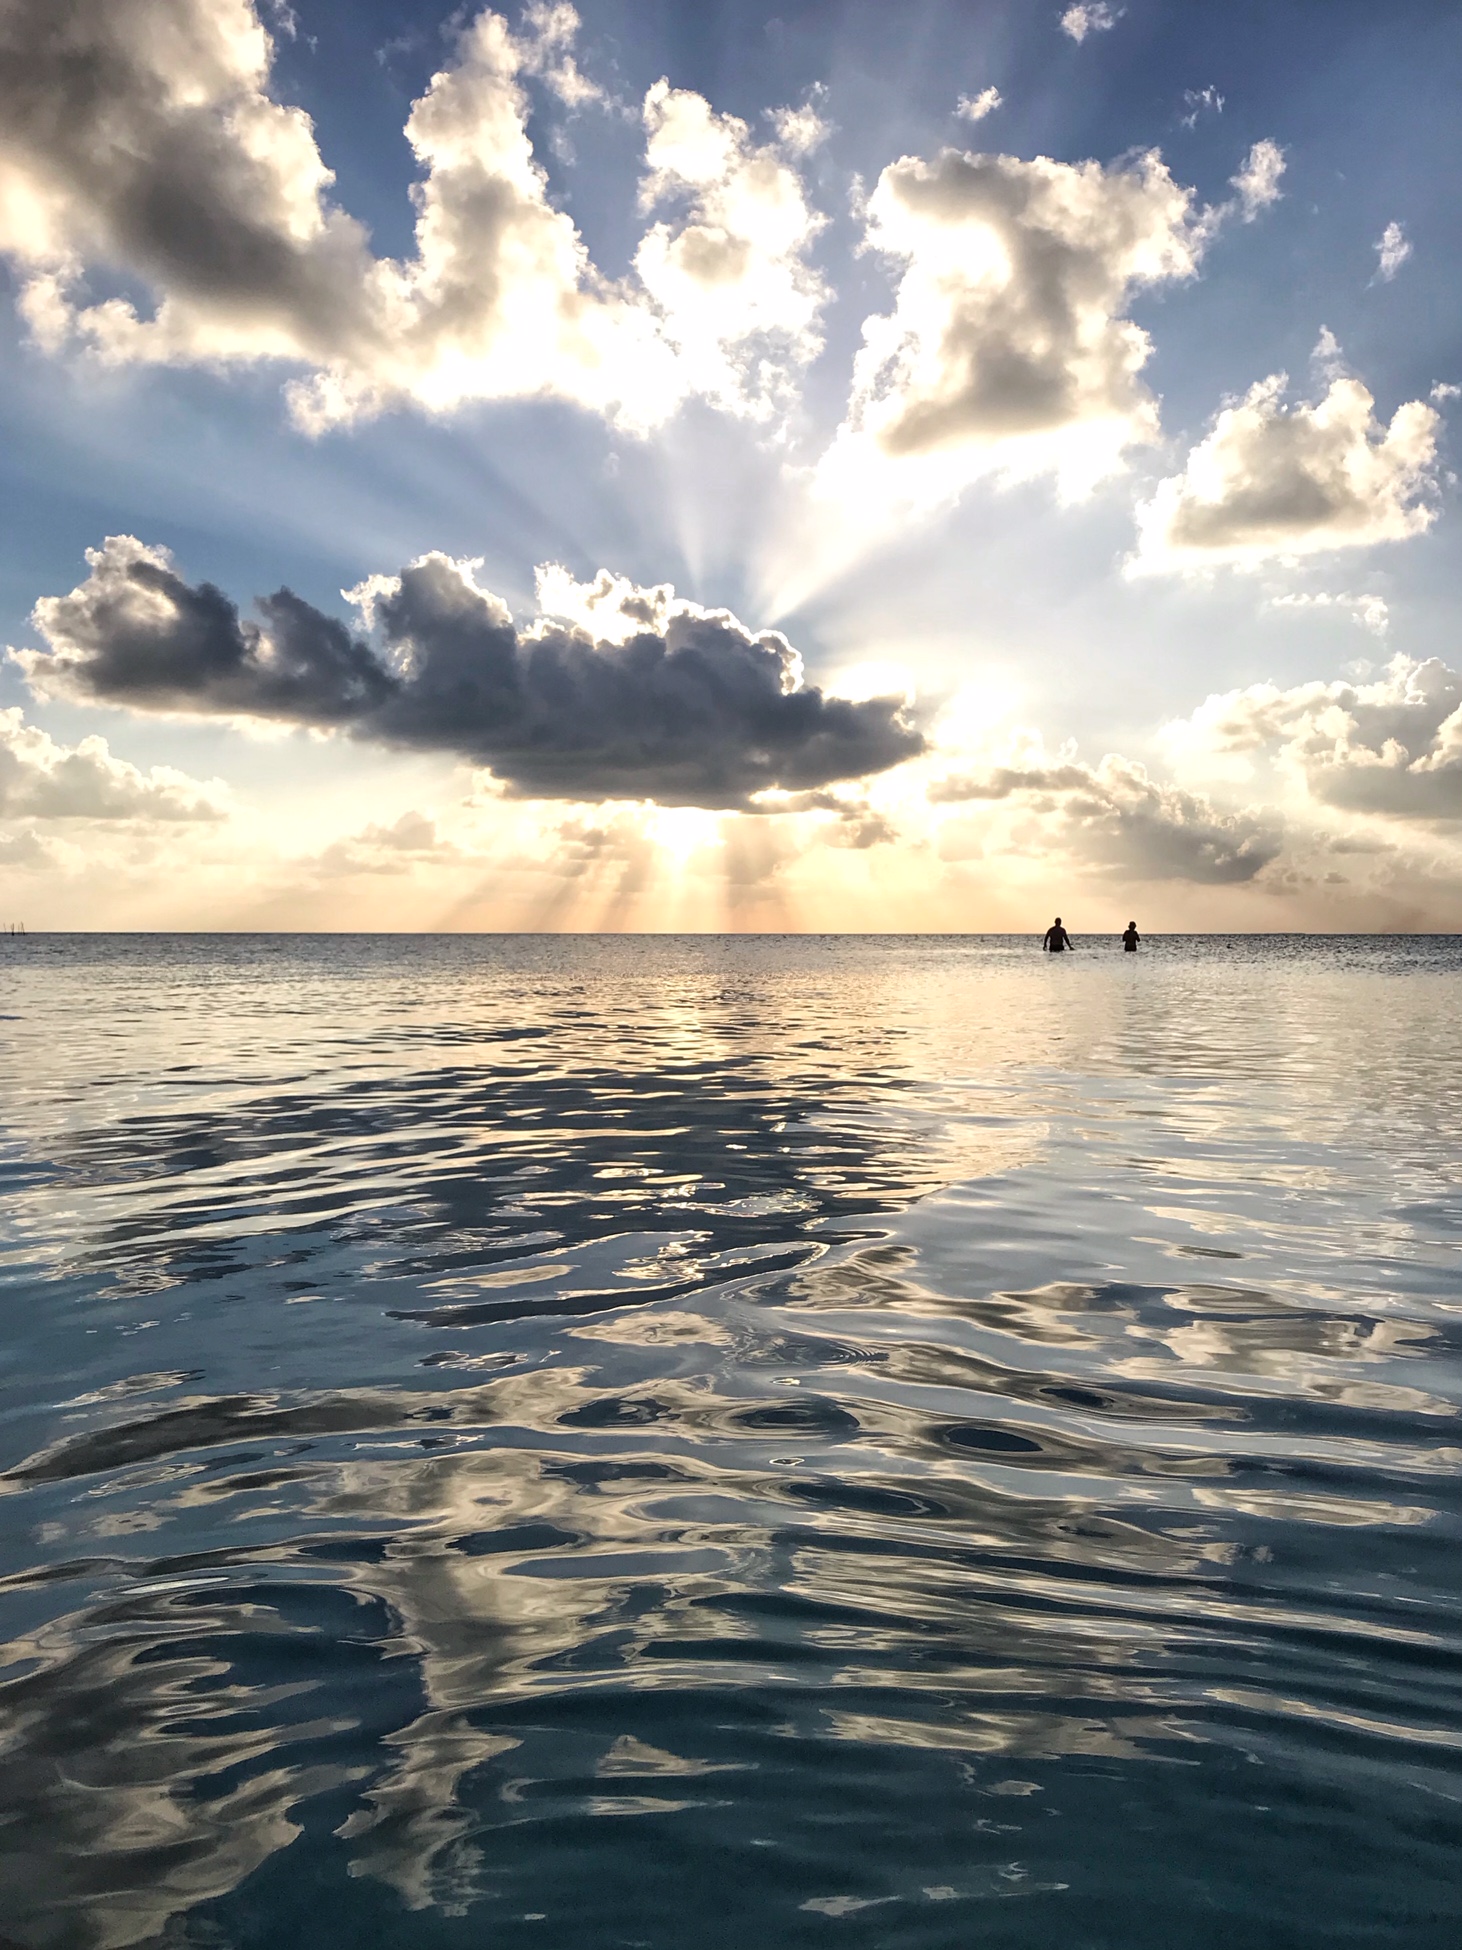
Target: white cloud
1089,17
1371,612
1198,101
1391,748
1327,361
728,272
610,609
1258,181
1392,251
549,30
1274,480
501,300
40,779
1008,350
974,108
801,130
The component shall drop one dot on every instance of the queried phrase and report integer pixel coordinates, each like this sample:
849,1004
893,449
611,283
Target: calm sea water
693,1442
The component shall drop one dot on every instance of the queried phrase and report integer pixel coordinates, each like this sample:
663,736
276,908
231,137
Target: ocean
682,1442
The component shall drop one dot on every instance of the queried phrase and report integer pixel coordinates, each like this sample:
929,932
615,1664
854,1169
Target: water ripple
647,1442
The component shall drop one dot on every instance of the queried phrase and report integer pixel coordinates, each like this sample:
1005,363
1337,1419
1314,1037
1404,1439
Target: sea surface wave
587,1441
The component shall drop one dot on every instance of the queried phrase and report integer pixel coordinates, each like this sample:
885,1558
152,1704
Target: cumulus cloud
140,138
134,632
138,133
1392,747
1279,480
1392,251
1118,818
1089,17
728,271
1008,349
40,779
974,108
664,700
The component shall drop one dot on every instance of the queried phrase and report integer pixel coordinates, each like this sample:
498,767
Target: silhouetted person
1131,938
1057,940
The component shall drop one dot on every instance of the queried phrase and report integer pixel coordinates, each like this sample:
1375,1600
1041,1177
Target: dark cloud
136,633
696,712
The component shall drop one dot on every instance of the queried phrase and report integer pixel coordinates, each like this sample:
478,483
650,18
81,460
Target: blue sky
960,401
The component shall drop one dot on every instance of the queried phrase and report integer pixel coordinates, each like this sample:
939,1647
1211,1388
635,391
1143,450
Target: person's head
1132,927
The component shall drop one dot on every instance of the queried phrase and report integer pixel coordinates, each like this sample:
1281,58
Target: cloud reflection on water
776,1403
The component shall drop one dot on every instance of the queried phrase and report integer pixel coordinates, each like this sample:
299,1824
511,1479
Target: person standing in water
1057,940
1131,938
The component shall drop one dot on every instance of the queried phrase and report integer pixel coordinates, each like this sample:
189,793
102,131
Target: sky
697,465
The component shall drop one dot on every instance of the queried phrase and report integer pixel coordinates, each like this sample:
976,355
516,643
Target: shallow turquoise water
584,1442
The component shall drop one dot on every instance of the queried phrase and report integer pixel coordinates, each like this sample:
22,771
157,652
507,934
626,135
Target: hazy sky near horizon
729,465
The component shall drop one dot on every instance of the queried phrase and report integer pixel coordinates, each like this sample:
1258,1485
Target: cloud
405,846
857,823
687,708
610,609
1392,747
1258,181
1118,818
1007,349
40,779
548,31
140,138
1089,17
1392,251
138,133
27,851
1371,612
974,108
135,633
1198,100
728,272
1274,480
802,129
